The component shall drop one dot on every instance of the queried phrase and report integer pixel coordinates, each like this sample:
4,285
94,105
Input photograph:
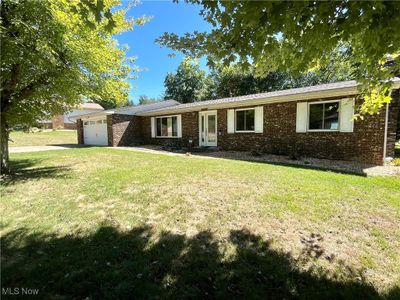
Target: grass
19,138
106,223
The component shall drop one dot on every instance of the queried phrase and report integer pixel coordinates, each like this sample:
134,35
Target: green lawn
19,138
101,223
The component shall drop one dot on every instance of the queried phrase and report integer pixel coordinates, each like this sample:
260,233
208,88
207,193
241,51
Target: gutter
92,114
341,92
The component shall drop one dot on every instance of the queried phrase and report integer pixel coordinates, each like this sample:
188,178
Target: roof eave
91,115
349,91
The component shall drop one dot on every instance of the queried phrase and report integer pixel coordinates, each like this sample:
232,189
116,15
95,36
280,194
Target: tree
298,36
188,84
232,81
56,53
143,99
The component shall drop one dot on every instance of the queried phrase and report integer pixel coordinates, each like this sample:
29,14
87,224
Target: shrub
396,162
171,146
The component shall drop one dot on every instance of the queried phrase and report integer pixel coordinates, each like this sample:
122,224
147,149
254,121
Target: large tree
297,36
57,53
188,84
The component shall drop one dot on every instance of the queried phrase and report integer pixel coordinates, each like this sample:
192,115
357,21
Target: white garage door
95,132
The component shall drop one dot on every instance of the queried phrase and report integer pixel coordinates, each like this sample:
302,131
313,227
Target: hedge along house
315,121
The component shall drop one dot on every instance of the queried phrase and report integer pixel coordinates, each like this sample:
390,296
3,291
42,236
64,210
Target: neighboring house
315,121
67,120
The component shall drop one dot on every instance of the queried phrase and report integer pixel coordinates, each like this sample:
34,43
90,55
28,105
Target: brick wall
124,130
279,136
79,130
393,124
190,131
58,122
364,144
70,126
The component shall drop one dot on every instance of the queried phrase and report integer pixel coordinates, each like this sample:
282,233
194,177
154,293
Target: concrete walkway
43,148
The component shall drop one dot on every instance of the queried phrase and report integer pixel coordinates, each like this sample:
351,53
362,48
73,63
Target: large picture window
323,116
167,126
244,120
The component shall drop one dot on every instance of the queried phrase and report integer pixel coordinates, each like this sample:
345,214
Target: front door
208,128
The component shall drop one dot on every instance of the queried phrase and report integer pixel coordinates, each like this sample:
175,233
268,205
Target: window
91,122
98,121
323,116
85,123
244,120
167,127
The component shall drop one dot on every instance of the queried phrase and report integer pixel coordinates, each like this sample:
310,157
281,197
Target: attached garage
114,127
95,132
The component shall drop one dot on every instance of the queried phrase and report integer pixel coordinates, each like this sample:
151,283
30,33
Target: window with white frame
244,120
167,126
323,116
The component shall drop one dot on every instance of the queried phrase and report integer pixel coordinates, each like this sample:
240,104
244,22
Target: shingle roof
344,86
131,110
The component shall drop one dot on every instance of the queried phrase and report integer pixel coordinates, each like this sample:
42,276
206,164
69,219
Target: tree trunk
4,163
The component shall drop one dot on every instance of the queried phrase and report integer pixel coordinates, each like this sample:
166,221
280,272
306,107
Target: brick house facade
365,142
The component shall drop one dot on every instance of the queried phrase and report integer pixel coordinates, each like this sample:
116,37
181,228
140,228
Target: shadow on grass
23,169
113,264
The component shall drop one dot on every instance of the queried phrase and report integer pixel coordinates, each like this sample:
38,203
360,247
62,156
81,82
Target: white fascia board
334,92
92,115
340,92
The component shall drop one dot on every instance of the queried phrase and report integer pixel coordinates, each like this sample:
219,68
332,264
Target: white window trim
246,131
166,137
322,130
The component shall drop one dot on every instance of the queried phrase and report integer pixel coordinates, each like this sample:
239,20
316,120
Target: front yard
108,223
42,138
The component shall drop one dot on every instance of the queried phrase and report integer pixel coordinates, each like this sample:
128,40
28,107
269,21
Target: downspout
386,131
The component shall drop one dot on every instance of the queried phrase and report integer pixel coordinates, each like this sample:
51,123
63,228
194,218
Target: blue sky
167,17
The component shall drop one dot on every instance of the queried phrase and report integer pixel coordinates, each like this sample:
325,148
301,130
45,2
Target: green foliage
299,36
188,84
52,58
143,99
233,81
191,84
396,162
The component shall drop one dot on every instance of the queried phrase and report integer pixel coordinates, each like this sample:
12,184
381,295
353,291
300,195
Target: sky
166,17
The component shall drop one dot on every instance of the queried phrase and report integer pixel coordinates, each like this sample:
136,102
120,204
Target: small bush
396,162
171,146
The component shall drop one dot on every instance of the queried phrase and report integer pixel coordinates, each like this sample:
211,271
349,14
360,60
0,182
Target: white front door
208,128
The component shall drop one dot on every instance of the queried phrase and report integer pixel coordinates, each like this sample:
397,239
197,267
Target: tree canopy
56,53
188,84
299,36
143,99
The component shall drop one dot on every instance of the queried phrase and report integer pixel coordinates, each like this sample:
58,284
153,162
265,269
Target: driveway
43,148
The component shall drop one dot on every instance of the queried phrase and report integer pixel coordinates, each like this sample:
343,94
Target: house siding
393,124
364,144
79,129
190,131
124,130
